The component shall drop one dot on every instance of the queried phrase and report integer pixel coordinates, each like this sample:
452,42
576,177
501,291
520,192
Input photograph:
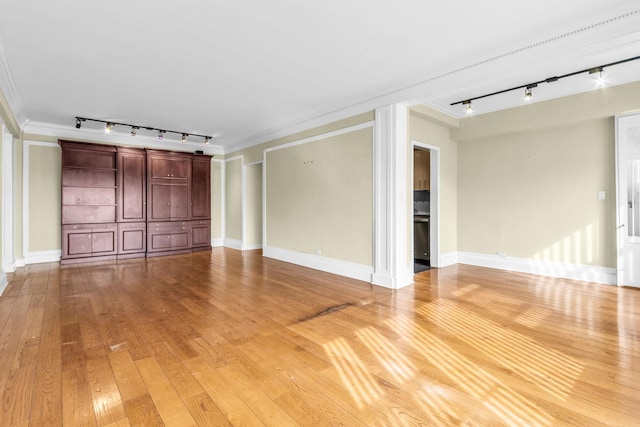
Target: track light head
184,138
134,130
600,78
78,123
108,128
206,140
469,108
528,92
160,134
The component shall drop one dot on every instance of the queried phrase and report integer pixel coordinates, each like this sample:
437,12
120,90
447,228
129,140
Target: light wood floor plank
226,338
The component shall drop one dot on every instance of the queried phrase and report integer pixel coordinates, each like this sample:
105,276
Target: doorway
628,199
426,206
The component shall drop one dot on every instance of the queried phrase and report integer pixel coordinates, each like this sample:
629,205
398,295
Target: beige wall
424,129
253,208
319,197
233,199
217,194
529,177
2,236
44,198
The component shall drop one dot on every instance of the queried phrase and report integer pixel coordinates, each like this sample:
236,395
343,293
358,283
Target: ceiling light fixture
469,108
600,78
528,86
134,129
528,92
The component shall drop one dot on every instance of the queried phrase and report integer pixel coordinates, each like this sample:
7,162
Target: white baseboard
42,256
20,263
3,282
217,242
450,258
251,247
390,282
10,268
233,244
589,273
329,265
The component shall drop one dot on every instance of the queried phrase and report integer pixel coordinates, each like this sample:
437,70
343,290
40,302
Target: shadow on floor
420,265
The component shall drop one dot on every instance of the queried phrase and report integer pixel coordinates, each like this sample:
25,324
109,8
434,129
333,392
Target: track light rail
548,80
134,128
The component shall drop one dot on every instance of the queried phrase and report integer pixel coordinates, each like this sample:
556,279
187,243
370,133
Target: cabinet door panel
180,240
180,168
132,201
201,234
133,241
201,188
160,242
78,244
160,202
132,237
179,202
103,242
159,167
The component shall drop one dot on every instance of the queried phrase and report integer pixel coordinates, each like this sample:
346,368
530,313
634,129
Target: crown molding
142,141
10,89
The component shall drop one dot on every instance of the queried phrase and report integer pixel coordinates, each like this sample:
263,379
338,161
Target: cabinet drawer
168,236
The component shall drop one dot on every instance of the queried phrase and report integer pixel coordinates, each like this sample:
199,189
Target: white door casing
628,199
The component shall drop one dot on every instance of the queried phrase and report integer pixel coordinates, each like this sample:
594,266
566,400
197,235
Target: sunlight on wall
580,247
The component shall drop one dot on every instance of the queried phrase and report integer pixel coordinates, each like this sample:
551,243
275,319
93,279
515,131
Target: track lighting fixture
135,128
600,77
528,93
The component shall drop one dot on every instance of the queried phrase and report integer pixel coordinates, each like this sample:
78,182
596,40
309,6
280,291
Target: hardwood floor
225,338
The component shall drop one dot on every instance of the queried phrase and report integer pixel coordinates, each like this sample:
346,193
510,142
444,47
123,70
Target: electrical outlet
501,254
318,251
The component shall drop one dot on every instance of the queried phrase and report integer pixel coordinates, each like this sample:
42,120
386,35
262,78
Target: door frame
621,204
434,199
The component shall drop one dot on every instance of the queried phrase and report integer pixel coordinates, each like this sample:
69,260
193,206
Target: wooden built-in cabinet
126,202
89,194
168,237
97,241
421,170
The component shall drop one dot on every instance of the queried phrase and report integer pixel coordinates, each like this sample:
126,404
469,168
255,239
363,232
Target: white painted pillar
8,257
392,267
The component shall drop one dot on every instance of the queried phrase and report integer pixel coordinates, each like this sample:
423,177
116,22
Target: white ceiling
245,71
